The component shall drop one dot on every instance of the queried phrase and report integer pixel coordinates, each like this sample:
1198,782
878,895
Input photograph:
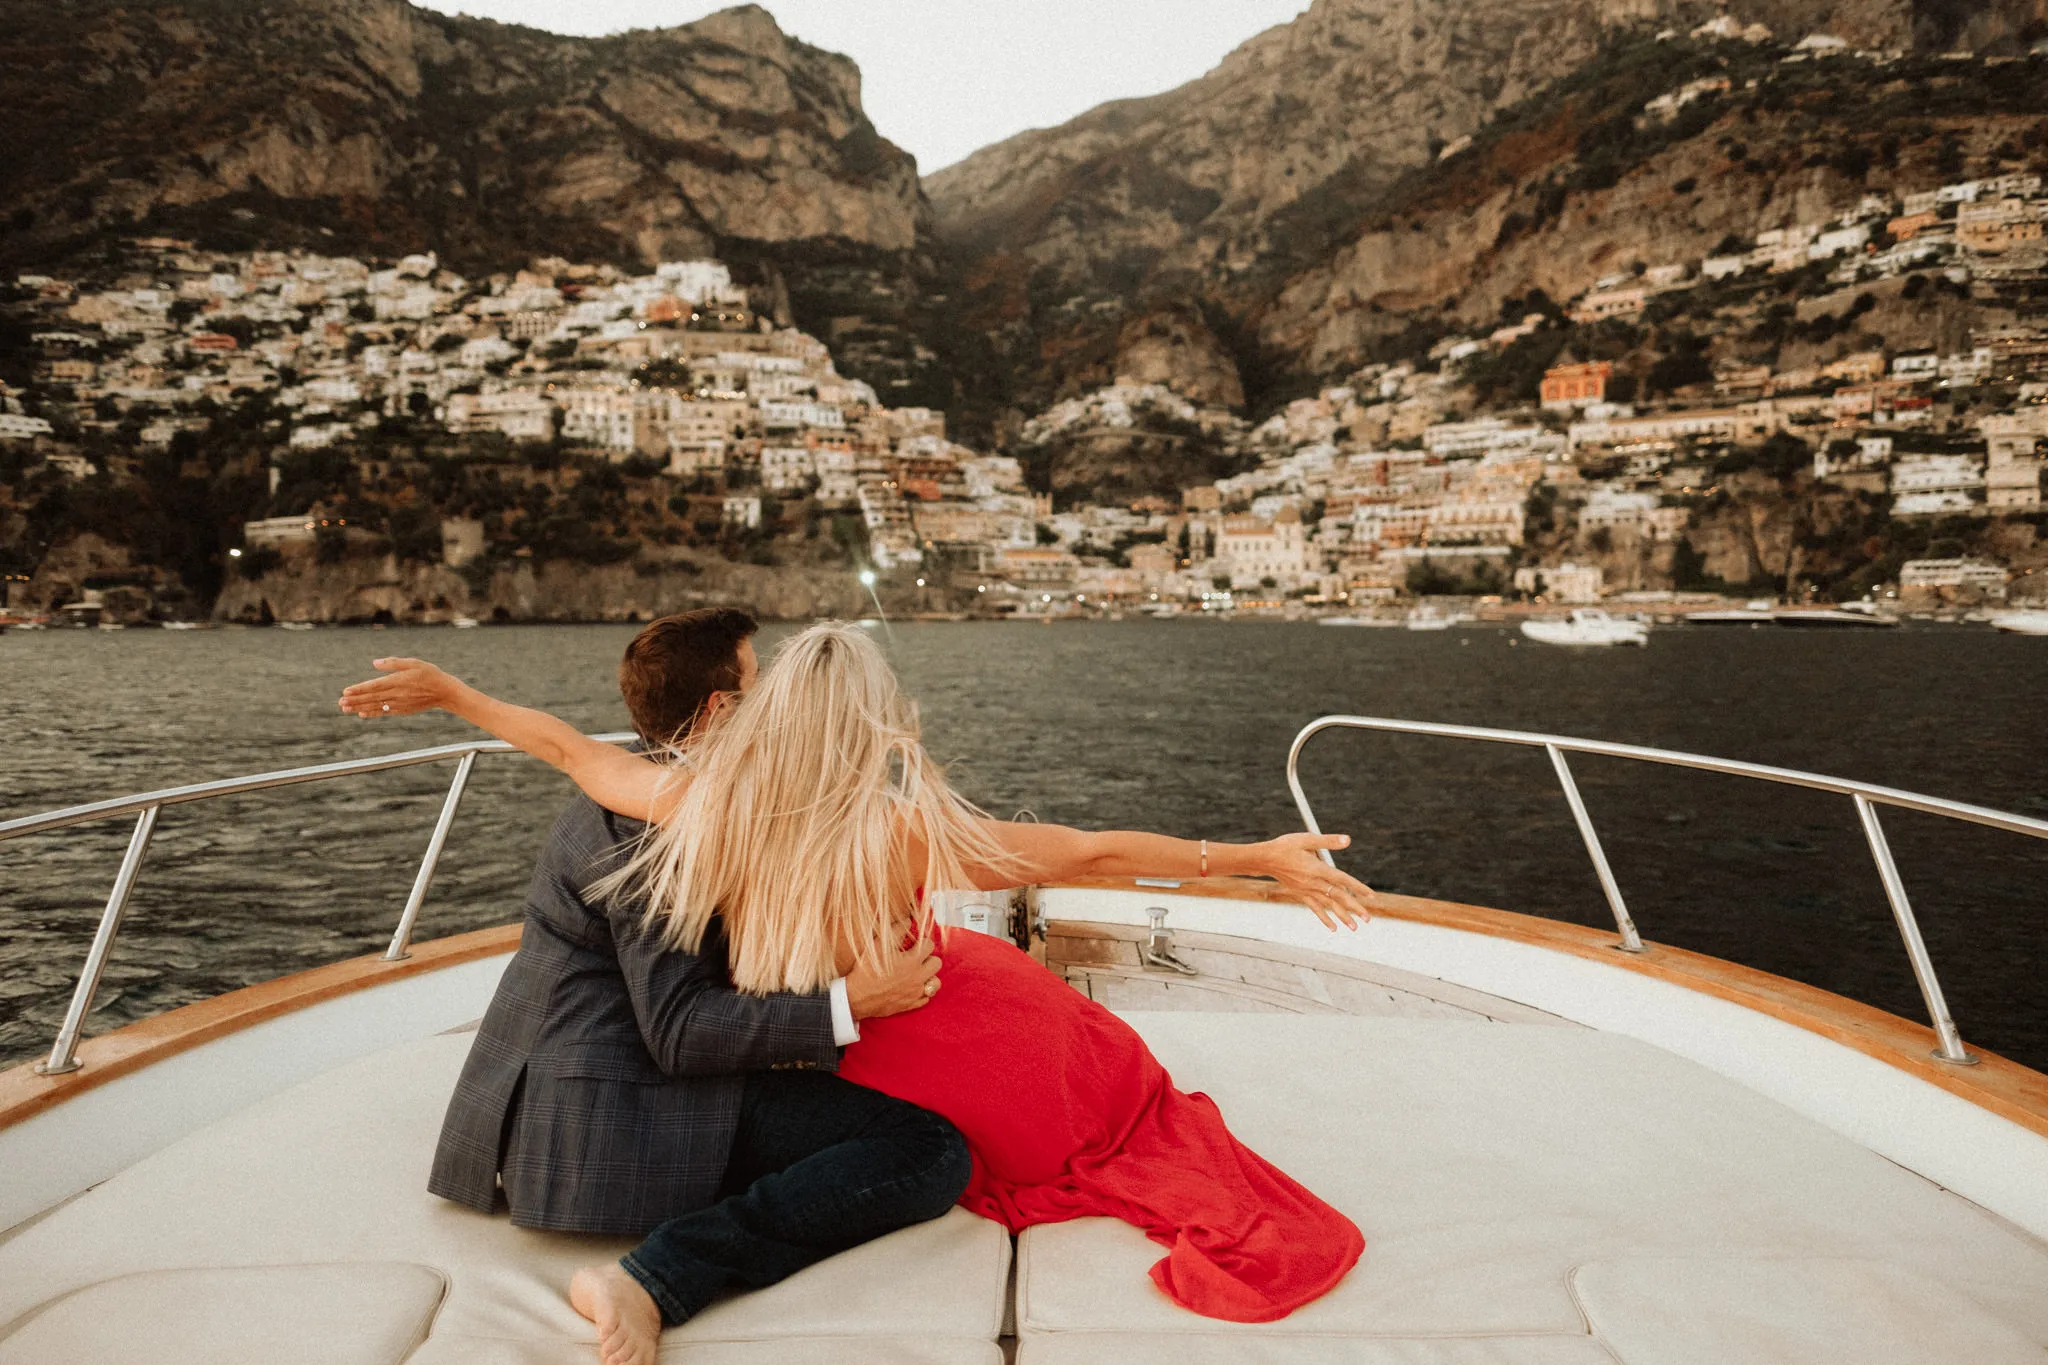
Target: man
619,1085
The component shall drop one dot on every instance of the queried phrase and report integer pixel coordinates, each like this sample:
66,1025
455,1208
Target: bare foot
628,1323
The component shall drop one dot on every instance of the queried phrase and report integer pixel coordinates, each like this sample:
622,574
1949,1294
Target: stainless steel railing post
1308,817
63,1053
401,938
1951,1049
1631,942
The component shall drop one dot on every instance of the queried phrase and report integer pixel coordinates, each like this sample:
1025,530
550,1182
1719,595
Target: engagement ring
931,987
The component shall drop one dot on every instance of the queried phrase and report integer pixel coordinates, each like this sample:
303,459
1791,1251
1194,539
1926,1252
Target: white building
786,415
1925,485
521,414
277,530
1451,439
2014,442
1701,424
1566,582
1616,508
786,469
597,415
1934,574
1252,549
15,427
1837,241
698,281
320,435
743,509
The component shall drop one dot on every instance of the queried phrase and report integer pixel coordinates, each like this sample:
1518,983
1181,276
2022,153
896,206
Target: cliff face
1514,216
1260,181
1199,182
372,589
373,124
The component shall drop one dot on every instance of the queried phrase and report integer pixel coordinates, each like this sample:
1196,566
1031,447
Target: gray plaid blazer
603,1087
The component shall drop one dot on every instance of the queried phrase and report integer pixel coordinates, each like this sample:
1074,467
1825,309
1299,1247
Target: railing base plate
1967,1059
45,1069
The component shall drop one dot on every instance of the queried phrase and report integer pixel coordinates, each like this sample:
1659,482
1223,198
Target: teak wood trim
110,1056
1997,1084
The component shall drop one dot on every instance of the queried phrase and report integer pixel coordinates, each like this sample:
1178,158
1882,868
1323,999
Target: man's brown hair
674,666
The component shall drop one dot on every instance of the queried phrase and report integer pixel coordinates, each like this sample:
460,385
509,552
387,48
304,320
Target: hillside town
1389,485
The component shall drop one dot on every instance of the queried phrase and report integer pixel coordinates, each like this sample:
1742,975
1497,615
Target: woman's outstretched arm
1055,853
624,783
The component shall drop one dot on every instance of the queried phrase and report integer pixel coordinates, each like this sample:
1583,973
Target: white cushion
445,1348
1711,1310
336,1169
1484,1161
1190,1348
370,1313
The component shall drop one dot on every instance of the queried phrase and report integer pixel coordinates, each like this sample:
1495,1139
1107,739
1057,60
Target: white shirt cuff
844,1030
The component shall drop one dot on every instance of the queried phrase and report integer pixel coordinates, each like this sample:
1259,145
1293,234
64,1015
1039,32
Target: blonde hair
797,821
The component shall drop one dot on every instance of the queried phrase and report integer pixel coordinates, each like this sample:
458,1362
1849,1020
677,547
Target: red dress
1069,1115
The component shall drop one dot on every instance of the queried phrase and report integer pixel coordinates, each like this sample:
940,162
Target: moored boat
1588,626
2032,622
1832,618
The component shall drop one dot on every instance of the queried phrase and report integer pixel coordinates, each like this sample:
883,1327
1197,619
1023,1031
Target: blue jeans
818,1165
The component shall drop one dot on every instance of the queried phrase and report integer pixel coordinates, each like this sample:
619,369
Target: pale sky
941,78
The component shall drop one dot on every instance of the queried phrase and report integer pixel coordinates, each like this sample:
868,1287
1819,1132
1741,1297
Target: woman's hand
408,687
1335,896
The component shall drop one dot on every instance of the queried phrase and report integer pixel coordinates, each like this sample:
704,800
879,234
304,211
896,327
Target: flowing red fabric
1069,1115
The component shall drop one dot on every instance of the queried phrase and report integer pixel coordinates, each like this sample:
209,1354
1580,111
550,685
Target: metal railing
1866,796
145,807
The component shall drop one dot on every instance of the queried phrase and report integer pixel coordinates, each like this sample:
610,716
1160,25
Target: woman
808,820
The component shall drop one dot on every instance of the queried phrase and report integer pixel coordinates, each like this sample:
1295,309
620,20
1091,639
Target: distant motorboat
1850,615
1588,626
181,625
1378,622
294,625
1428,618
1746,616
111,625
464,623
2033,622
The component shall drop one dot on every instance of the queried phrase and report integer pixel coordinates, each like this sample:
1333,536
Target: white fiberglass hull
2021,623
1570,633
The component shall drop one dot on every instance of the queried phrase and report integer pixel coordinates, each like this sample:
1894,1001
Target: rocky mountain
1193,231
375,126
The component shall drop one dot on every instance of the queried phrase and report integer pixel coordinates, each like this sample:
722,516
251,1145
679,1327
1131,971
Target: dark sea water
1176,726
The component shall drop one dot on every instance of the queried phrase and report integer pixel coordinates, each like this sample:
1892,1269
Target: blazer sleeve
695,1024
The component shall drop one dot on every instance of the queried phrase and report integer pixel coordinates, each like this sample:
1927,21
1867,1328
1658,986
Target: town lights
920,582
234,554
867,578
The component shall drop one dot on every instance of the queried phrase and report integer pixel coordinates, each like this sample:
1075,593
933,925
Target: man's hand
909,983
